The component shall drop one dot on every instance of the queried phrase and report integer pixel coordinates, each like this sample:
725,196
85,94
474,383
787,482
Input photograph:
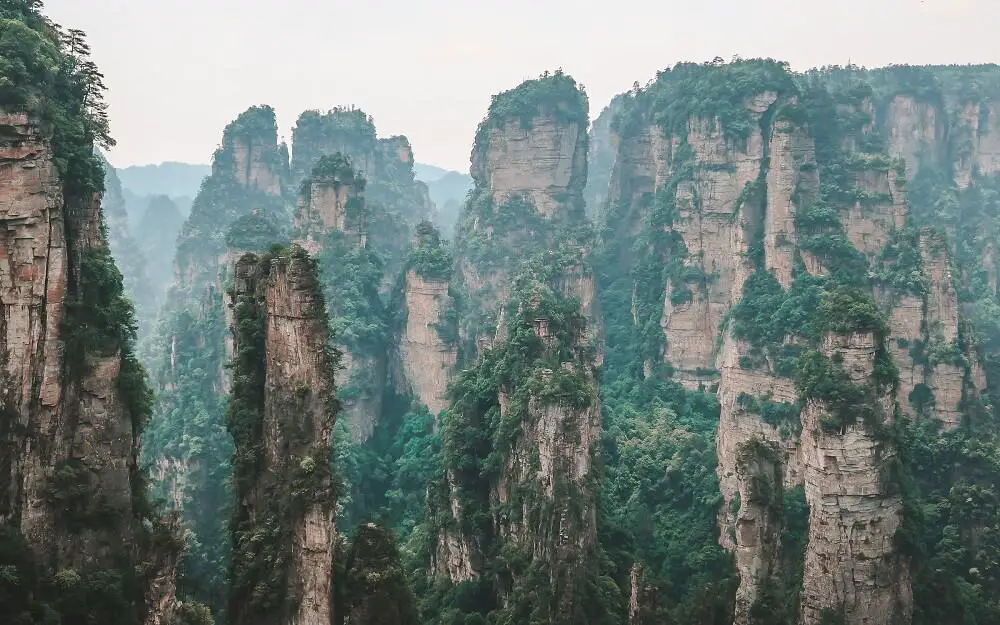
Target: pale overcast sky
179,70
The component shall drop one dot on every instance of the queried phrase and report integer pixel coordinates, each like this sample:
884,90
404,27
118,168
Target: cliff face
330,201
529,171
543,160
340,131
529,401
600,159
427,359
249,175
36,264
385,163
374,588
358,209
925,337
852,564
73,401
427,350
238,209
283,442
538,500
333,221
734,222
254,158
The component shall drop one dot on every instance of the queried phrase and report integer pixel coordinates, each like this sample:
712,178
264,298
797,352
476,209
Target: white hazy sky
179,70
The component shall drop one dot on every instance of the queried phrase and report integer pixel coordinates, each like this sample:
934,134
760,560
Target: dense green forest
673,339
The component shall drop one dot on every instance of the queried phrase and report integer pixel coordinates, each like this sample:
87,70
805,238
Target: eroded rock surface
851,560
290,493
427,359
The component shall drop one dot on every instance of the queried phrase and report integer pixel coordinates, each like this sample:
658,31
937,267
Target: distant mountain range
172,179
180,182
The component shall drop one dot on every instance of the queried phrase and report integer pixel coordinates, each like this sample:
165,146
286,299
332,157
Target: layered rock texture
540,497
238,209
427,359
281,416
852,563
530,398
747,214
427,347
73,395
333,221
529,168
540,159
359,207
397,199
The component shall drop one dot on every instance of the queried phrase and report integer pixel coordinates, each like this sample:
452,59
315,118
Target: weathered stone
851,562
297,427
253,165
916,131
545,162
714,212
427,360
792,182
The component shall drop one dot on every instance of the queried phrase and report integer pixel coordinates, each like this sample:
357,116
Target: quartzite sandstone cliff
283,446
70,434
759,202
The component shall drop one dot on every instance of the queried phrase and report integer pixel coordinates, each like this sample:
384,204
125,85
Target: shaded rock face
552,459
757,461
427,360
600,159
926,325
758,523
544,160
375,587
323,209
386,163
981,122
916,131
255,161
62,421
869,226
851,563
715,208
69,434
529,170
297,419
363,410
33,270
456,556
562,437
345,131
740,209
792,181
324,202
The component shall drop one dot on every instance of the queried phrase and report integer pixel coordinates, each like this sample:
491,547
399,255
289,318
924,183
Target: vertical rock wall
851,562
529,168
544,160
292,487
716,209
427,360
69,432
332,190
